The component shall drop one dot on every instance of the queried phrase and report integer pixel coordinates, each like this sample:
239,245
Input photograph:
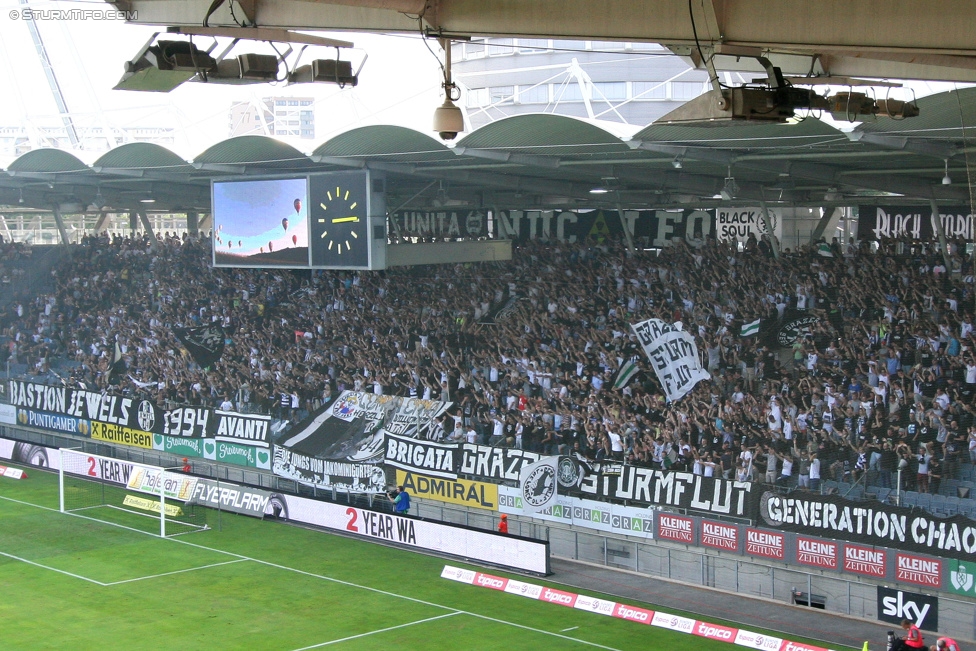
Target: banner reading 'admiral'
685,490
870,523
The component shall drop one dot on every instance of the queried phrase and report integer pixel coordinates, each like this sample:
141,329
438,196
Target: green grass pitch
67,582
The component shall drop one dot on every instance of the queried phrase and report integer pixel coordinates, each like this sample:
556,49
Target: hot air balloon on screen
284,223
262,249
270,246
239,244
294,239
298,206
229,243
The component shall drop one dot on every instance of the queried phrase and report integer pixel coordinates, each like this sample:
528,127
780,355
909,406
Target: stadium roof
544,161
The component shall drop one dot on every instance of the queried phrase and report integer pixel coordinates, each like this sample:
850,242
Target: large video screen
261,223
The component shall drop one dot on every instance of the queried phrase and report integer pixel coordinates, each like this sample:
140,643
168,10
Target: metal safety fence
695,566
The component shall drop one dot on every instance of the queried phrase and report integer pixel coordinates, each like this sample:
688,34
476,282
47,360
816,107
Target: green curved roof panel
545,134
142,155
244,150
47,160
388,142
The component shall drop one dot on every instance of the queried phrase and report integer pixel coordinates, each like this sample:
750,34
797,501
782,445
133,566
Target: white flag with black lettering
673,355
537,481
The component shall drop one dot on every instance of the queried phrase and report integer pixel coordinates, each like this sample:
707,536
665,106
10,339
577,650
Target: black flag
205,344
118,368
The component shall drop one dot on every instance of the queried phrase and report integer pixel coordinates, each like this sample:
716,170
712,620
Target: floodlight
244,69
331,71
162,67
731,188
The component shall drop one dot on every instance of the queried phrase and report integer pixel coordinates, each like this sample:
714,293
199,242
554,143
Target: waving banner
673,355
537,482
205,344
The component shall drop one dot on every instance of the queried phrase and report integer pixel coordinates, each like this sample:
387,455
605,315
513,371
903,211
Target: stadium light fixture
330,71
946,180
731,188
162,67
244,69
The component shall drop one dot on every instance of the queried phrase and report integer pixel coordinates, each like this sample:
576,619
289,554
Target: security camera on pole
448,119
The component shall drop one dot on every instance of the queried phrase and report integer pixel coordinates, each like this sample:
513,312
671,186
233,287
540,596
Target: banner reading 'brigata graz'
619,483
673,355
870,523
917,222
424,457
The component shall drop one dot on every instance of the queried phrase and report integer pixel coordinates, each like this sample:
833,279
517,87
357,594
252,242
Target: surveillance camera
448,120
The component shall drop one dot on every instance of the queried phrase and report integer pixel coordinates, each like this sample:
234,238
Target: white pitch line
539,630
53,569
382,630
189,569
567,630
333,580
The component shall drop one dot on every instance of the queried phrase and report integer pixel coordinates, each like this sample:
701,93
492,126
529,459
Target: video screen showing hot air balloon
260,223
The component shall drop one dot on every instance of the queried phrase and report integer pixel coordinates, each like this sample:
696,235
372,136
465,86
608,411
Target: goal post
129,494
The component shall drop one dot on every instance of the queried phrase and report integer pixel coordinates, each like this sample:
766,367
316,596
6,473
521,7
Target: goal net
133,495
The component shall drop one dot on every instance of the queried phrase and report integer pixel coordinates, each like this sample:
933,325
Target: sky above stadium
399,83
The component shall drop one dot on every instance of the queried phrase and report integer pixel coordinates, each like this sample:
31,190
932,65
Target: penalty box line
381,630
53,569
101,583
189,569
327,578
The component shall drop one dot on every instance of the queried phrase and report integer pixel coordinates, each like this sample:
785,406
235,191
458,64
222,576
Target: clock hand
340,220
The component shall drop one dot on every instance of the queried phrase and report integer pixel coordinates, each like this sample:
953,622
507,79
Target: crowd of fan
528,351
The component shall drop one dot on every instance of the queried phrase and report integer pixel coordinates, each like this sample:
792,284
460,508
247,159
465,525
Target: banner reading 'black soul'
870,523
